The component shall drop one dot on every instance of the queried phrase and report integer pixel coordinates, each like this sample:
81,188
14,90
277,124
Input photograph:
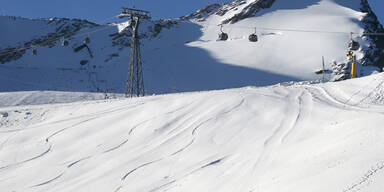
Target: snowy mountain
283,131
183,54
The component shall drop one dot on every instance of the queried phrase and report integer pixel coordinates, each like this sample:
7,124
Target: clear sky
98,10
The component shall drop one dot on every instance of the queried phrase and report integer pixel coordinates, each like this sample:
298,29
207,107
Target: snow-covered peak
184,55
241,9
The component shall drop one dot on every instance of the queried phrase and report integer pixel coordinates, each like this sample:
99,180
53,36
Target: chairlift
353,45
87,40
253,37
65,43
34,51
222,36
84,62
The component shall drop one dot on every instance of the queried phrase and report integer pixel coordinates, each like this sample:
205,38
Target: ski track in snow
141,123
124,142
217,116
28,160
376,88
69,127
291,122
366,179
183,148
322,95
60,175
156,117
116,147
78,161
177,179
194,133
212,163
139,167
145,121
118,189
332,100
162,186
297,113
47,140
11,131
96,114
49,181
304,109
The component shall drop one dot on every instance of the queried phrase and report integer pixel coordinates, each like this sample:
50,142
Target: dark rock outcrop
202,13
248,11
374,55
65,28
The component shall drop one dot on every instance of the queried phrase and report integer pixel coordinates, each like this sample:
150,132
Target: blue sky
98,10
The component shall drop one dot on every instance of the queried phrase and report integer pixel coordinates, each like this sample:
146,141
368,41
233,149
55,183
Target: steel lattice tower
135,79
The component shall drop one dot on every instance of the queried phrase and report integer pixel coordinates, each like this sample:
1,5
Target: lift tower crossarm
129,12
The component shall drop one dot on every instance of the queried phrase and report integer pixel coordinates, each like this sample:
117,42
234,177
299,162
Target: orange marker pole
353,68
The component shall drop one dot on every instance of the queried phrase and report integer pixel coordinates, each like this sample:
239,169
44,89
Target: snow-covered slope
298,138
183,54
294,35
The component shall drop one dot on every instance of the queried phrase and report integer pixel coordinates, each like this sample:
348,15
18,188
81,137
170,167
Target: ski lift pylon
253,37
222,36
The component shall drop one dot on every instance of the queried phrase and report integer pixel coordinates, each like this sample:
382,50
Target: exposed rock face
123,39
374,55
248,11
202,13
65,28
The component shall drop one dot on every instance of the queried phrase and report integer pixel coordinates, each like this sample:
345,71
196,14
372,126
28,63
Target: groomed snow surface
296,138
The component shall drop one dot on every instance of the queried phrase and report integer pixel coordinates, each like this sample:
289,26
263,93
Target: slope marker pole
323,70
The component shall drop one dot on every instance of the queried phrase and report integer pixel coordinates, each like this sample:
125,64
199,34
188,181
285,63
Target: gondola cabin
65,43
253,38
223,36
87,40
353,45
34,52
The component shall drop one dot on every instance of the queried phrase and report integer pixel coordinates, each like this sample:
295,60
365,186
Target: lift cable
221,26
